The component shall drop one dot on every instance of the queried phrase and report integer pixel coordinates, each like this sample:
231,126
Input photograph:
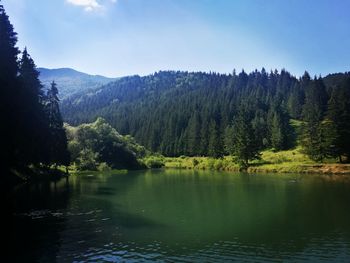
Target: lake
184,216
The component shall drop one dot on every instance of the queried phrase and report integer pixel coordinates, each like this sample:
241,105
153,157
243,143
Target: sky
126,37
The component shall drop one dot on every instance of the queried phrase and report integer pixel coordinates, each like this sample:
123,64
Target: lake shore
291,161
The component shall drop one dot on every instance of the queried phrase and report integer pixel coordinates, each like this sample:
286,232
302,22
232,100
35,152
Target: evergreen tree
228,139
204,135
215,145
277,137
313,112
245,144
295,101
280,129
193,135
58,152
9,90
339,115
259,124
32,119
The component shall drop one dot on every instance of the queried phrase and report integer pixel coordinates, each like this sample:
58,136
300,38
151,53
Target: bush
218,165
154,162
102,167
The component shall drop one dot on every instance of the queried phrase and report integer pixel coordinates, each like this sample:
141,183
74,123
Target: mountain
183,113
70,81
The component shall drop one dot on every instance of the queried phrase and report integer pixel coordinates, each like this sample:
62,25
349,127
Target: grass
290,161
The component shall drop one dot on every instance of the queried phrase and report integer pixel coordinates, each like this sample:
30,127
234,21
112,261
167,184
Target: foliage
191,113
338,116
153,161
97,146
283,161
245,145
31,138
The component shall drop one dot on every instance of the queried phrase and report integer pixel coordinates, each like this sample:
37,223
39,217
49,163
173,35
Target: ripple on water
332,250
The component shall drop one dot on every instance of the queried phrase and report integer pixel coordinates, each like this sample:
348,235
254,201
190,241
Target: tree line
33,133
209,114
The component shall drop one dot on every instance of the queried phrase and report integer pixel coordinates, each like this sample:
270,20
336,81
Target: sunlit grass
289,161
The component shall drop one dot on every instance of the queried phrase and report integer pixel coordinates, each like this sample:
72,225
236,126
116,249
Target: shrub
154,162
102,167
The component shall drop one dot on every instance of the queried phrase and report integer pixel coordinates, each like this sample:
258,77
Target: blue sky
126,37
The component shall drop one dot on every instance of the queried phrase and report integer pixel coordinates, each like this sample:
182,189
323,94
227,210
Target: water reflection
179,215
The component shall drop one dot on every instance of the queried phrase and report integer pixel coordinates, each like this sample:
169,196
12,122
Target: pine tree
58,152
193,135
215,145
9,90
277,137
245,144
280,129
204,135
295,101
32,119
228,139
313,113
339,115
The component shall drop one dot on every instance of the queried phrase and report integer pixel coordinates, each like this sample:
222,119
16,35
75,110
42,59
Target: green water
184,216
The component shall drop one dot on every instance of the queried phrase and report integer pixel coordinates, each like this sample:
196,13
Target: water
184,216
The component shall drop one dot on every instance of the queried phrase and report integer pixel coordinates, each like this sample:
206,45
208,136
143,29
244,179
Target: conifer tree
215,145
280,128
9,89
32,119
228,139
245,144
295,101
204,134
338,114
58,152
193,135
313,112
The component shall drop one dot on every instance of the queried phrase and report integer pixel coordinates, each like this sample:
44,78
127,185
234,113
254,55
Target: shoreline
225,164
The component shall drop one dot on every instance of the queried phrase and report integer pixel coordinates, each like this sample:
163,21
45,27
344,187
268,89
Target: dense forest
33,133
173,113
208,114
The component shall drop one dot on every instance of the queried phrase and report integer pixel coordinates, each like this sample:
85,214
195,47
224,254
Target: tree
280,129
9,90
338,114
204,134
193,135
245,146
58,152
215,144
31,121
96,143
313,112
295,101
228,139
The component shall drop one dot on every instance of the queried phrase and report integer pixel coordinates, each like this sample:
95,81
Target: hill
190,113
70,81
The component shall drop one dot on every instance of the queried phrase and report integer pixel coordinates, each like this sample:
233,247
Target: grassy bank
291,161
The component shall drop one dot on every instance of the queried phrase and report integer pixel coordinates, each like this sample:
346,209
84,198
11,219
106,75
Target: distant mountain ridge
70,81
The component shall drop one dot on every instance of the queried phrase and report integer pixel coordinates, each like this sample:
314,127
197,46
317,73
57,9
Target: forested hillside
71,81
210,114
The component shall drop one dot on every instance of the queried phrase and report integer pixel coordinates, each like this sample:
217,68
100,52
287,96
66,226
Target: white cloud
88,5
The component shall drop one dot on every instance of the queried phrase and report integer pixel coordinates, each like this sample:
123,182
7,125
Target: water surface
184,216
